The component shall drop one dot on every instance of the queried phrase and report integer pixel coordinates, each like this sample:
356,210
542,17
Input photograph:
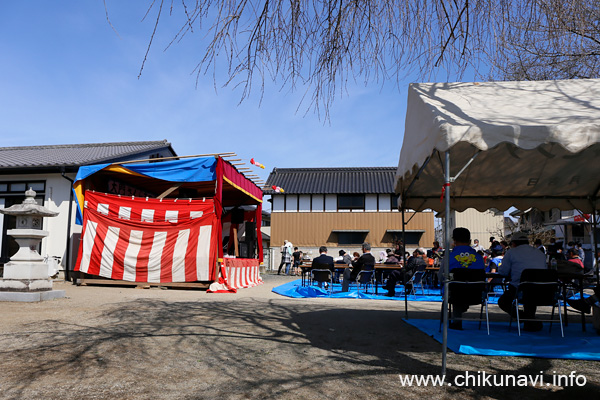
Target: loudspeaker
237,216
250,231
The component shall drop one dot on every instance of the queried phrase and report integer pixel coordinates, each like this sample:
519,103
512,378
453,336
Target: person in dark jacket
323,262
365,261
415,263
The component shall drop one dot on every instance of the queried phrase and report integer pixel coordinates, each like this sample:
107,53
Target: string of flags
256,163
277,189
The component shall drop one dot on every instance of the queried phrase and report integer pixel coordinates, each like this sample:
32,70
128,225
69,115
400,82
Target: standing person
297,257
366,260
286,257
521,256
462,256
283,251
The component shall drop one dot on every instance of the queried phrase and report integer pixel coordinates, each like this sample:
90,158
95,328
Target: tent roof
537,144
151,179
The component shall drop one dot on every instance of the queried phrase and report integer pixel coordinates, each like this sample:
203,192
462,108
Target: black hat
342,252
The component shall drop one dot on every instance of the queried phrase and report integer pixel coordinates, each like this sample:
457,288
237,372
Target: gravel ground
125,343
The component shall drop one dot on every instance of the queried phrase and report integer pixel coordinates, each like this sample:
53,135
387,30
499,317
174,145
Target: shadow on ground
245,349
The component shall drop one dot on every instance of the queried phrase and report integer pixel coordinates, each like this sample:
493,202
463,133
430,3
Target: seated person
462,256
363,262
391,257
345,259
323,261
436,249
521,256
573,257
418,262
494,265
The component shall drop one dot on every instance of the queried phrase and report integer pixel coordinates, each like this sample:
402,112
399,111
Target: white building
50,170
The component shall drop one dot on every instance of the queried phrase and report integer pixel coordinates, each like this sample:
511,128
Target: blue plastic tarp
576,344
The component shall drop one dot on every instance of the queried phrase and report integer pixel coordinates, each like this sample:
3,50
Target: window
394,202
413,238
19,188
351,238
351,202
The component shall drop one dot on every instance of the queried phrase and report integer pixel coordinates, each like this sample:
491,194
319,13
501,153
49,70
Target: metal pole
446,261
67,263
404,258
595,265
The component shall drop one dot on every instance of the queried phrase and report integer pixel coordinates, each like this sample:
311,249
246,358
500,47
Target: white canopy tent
500,144
537,144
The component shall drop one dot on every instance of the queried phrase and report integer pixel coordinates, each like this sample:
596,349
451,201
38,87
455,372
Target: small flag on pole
256,163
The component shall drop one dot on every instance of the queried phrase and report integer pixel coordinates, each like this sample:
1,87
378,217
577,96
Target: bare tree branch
324,44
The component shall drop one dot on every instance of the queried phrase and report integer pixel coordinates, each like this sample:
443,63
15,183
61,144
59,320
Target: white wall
304,203
291,202
481,224
58,190
385,202
1,219
371,202
317,202
330,203
278,203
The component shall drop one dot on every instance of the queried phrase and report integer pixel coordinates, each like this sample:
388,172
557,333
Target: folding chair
364,277
416,280
323,276
305,274
538,287
468,288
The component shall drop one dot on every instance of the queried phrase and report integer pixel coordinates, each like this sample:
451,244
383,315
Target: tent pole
259,246
219,213
595,243
404,258
446,261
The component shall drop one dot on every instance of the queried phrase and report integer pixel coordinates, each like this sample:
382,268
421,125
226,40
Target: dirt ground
125,343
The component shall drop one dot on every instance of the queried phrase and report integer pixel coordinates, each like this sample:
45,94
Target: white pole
446,260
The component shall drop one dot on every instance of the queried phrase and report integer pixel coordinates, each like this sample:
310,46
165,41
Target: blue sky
67,77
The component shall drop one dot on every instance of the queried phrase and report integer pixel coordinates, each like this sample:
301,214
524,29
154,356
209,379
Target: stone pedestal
26,275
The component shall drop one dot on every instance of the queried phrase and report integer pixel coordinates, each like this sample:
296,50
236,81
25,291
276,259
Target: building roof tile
332,180
73,155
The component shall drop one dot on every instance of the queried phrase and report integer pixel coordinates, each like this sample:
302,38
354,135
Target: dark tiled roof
73,155
332,180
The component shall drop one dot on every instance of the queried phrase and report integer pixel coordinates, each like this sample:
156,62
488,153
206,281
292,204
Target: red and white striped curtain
148,240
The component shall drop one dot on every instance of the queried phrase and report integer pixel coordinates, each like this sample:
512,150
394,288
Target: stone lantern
26,274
